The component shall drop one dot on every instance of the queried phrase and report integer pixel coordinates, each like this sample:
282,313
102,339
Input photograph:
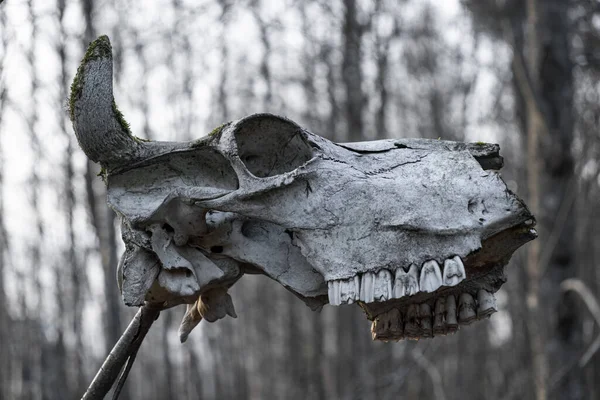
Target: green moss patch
119,116
99,48
215,133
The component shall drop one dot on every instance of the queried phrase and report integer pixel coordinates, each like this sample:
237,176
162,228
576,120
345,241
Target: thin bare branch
124,350
577,286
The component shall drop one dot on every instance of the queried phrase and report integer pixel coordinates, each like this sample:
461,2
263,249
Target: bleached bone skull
417,232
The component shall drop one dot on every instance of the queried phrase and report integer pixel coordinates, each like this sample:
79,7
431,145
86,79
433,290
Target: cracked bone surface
338,223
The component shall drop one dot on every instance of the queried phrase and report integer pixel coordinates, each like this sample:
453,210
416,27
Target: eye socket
270,145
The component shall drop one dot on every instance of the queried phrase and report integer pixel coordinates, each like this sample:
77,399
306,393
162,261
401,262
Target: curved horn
102,132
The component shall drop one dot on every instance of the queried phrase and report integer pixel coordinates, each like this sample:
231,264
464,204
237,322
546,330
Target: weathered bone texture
402,227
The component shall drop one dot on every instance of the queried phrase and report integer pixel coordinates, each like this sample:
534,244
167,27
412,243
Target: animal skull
417,232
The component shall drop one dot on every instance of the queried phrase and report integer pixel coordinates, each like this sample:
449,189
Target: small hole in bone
168,228
188,273
216,249
254,230
269,145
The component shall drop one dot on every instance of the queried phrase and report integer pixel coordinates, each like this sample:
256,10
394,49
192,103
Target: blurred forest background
522,73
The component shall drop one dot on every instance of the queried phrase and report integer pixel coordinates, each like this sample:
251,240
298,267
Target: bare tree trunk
334,114
4,317
534,129
352,71
383,47
549,112
559,184
32,373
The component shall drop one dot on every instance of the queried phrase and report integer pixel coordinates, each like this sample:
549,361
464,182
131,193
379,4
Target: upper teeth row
382,286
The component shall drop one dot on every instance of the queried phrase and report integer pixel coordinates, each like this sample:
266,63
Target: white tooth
487,304
466,309
454,271
366,287
431,277
407,283
334,293
348,291
382,289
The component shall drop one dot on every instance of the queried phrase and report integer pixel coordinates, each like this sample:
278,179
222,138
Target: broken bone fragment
431,277
178,281
164,247
466,309
454,271
486,304
186,220
137,272
190,320
215,304
212,305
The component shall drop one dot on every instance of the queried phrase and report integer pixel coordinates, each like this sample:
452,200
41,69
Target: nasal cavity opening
269,145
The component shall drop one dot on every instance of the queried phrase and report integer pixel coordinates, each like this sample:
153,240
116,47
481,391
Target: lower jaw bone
466,309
